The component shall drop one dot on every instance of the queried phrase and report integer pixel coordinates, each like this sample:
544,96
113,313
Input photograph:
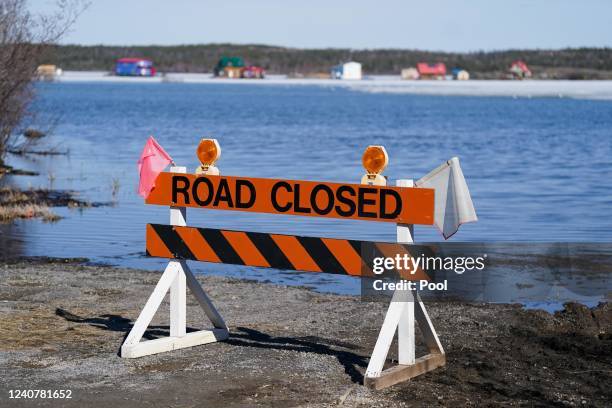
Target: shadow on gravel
116,323
245,337
240,336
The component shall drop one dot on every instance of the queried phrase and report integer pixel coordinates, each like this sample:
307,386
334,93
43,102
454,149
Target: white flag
453,202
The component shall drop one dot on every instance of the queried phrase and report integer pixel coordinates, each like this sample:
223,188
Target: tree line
565,63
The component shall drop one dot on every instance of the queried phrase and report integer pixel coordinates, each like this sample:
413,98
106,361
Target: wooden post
178,290
405,329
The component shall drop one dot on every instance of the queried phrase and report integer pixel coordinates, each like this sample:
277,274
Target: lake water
539,170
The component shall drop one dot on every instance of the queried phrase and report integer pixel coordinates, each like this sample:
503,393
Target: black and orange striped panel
290,252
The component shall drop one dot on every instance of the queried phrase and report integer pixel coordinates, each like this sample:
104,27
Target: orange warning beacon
208,152
374,160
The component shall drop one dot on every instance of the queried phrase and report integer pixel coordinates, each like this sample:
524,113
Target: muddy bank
61,326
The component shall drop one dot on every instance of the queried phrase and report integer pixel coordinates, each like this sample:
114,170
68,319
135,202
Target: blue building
134,67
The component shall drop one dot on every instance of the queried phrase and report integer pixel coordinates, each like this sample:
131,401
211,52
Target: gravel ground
62,324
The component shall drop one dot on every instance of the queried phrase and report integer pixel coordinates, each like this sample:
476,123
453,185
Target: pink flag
153,161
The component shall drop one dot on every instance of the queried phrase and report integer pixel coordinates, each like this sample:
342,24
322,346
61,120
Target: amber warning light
208,152
374,160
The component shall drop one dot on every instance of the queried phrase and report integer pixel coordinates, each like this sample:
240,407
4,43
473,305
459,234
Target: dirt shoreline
62,323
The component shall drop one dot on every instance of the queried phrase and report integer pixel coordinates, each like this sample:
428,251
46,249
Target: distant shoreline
577,89
567,63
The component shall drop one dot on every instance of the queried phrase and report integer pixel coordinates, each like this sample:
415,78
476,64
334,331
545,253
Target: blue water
538,169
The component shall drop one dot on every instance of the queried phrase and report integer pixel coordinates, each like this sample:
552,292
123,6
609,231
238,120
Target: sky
457,25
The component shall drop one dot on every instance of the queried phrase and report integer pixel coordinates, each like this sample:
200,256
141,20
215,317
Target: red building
431,71
253,71
519,70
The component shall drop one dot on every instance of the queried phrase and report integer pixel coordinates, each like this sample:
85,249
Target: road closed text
309,198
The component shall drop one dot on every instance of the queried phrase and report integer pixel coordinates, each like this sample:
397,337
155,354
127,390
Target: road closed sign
406,205
372,200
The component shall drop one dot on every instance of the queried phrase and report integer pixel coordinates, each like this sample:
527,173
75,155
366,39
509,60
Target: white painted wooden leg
427,328
406,334
203,299
178,290
383,343
387,332
178,303
147,313
406,327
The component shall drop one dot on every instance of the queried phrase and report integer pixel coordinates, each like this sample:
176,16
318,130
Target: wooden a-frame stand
405,306
175,279
401,314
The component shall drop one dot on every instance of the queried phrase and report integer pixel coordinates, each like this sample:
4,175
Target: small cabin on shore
519,70
138,67
460,74
234,67
348,70
253,72
431,71
229,67
48,72
410,73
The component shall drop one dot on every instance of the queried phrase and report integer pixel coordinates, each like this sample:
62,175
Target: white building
410,73
348,70
462,75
